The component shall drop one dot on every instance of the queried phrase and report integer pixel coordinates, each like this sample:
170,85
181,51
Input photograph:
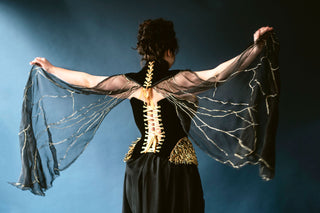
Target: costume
232,116
161,172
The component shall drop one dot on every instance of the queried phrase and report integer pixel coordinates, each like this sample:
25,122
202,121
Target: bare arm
207,74
72,77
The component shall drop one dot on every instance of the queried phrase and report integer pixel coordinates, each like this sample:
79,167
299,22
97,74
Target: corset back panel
172,128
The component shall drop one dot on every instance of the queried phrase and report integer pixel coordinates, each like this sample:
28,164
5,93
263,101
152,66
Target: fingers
265,29
41,62
261,31
38,61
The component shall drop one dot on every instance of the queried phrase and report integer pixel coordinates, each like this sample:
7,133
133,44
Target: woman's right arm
253,53
70,76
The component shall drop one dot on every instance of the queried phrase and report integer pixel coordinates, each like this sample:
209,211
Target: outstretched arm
217,72
72,77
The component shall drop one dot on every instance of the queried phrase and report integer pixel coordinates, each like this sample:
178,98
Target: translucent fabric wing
233,114
58,122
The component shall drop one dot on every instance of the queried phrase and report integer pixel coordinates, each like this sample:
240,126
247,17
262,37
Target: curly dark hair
155,37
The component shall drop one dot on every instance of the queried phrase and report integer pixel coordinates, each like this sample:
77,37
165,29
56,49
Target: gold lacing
130,152
183,153
154,134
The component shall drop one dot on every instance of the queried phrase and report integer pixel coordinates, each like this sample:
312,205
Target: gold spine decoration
183,153
154,133
130,152
148,79
147,91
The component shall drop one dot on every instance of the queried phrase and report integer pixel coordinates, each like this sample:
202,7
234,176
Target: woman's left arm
217,71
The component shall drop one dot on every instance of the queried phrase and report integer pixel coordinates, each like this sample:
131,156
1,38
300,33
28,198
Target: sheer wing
58,122
233,114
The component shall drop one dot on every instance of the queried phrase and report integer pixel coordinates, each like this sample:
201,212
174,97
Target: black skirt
152,185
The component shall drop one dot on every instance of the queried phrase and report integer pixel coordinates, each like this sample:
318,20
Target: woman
168,106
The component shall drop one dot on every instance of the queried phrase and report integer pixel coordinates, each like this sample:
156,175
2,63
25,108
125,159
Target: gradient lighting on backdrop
97,37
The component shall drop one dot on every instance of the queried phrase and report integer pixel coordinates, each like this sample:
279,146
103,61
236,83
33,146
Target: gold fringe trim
183,153
130,152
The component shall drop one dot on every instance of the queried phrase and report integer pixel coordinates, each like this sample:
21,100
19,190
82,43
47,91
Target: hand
42,62
260,32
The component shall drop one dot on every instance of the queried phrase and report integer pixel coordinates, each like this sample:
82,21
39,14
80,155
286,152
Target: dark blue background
98,36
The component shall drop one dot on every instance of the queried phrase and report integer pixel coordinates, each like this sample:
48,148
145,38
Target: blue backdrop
98,36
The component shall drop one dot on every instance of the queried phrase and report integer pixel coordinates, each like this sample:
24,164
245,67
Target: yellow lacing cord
153,128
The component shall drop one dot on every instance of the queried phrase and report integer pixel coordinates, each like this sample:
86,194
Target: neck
168,59
160,64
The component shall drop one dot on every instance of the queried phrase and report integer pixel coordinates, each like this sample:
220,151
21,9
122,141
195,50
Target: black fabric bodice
171,123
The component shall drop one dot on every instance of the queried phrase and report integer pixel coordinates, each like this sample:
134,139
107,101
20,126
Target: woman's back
161,164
